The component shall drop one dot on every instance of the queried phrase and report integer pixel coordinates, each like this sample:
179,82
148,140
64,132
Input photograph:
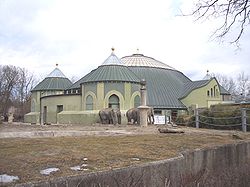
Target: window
208,93
89,102
211,92
114,102
59,108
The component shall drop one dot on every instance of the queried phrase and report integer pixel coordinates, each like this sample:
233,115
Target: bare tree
9,77
239,88
235,14
226,82
15,86
22,96
243,86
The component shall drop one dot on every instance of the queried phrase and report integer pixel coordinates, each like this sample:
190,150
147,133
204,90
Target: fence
230,119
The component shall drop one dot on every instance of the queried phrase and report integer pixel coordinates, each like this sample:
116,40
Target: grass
25,157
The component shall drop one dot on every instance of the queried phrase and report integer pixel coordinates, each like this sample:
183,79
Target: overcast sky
79,35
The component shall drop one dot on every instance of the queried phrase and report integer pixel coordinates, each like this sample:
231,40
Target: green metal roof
53,83
223,91
108,73
190,86
163,86
56,80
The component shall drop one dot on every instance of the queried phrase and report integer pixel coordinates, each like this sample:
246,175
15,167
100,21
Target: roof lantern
56,73
112,59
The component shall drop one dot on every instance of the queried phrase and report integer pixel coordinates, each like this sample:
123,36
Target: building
116,83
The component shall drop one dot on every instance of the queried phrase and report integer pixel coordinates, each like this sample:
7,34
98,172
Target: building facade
116,83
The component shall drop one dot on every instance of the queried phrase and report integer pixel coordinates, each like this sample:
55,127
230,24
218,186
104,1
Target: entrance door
58,110
44,114
114,102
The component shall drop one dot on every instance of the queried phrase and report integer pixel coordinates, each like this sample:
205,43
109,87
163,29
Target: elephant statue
110,116
133,115
151,116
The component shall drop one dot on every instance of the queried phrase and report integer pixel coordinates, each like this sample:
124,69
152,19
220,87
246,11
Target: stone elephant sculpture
133,115
110,116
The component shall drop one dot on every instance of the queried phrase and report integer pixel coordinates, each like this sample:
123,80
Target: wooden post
196,118
243,120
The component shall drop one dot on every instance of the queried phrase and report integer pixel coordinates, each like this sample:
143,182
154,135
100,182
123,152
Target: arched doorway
114,102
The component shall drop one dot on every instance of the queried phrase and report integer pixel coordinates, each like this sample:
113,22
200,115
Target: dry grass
25,157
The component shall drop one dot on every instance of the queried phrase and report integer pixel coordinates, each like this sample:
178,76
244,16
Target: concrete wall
78,117
84,117
226,165
32,117
69,103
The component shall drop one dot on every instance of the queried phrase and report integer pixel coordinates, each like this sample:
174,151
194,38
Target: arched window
211,92
208,93
137,101
114,102
89,102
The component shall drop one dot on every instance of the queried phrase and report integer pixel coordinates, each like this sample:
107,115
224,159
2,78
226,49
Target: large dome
164,83
144,61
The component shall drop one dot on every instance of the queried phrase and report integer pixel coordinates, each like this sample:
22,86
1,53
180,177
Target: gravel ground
27,149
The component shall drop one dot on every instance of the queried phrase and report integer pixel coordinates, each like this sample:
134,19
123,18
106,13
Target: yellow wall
200,96
100,96
76,104
69,102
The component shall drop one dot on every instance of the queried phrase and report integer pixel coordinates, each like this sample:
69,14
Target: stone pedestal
143,110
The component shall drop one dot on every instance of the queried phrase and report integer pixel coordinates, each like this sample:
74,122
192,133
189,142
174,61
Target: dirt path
24,130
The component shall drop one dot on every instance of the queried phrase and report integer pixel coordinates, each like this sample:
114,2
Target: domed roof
112,69
56,80
143,61
164,86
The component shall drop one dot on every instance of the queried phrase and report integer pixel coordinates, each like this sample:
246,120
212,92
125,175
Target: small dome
56,73
143,61
56,80
112,60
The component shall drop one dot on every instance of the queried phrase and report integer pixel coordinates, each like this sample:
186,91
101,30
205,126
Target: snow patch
8,178
48,171
76,168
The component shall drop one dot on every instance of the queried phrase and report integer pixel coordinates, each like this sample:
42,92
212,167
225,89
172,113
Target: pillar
143,109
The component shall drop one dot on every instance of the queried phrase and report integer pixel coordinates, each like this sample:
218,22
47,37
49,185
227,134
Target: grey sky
79,34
